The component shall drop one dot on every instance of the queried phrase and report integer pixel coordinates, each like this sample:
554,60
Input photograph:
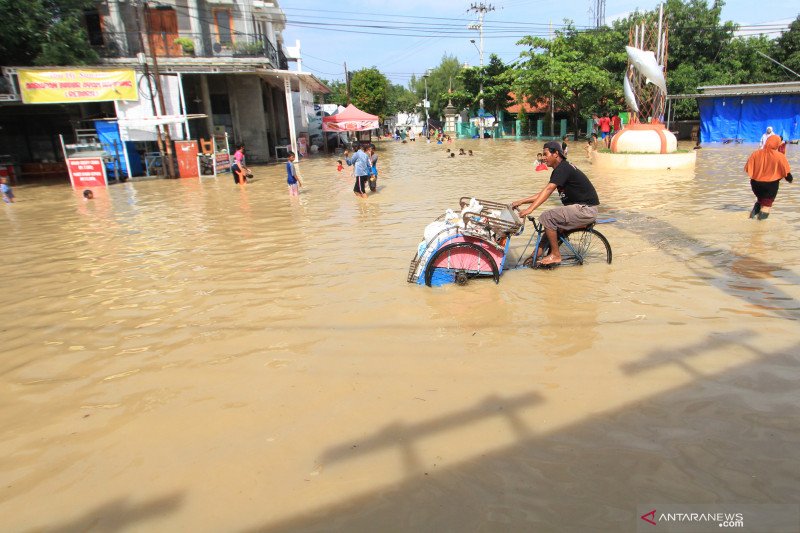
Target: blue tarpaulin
746,118
108,135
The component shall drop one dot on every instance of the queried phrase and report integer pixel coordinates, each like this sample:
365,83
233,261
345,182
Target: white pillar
287,88
116,22
197,31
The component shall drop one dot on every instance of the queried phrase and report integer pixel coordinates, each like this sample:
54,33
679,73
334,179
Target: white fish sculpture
629,97
645,62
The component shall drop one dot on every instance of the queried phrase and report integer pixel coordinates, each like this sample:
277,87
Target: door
163,25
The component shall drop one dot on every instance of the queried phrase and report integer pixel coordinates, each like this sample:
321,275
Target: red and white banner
350,125
87,172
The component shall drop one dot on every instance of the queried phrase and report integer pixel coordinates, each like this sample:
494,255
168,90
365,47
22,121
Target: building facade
222,60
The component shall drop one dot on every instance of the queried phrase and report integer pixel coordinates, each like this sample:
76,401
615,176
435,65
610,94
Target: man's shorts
604,135
361,184
569,217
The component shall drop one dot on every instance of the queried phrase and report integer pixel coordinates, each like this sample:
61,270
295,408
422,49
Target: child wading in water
5,188
292,179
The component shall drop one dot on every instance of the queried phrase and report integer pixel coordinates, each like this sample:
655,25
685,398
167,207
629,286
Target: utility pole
143,60
481,9
167,140
426,104
346,83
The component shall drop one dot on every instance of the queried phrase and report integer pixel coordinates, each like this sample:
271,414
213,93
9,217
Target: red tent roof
350,112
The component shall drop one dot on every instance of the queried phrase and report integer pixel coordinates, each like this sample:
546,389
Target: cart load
470,243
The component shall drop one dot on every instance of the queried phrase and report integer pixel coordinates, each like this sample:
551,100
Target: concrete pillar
539,127
197,31
273,125
247,111
205,95
563,128
117,27
287,88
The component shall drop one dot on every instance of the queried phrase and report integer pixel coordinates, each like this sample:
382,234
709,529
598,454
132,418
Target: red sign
87,172
187,159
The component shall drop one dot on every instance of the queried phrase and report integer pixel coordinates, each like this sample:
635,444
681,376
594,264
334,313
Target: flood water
185,355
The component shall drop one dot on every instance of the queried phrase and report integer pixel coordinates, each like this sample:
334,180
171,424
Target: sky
406,37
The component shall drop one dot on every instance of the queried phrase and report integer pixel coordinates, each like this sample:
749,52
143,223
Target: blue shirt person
363,168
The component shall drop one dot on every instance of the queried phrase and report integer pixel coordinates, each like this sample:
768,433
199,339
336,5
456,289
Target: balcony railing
186,44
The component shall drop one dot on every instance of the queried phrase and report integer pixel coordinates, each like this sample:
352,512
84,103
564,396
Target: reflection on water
172,333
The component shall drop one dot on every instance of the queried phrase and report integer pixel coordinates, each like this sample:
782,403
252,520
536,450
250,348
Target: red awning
351,119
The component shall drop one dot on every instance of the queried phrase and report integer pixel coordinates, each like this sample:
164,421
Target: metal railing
187,44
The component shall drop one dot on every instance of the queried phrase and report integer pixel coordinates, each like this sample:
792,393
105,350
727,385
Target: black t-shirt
573,185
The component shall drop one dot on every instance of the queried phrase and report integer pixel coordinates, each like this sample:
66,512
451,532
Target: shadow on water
721,446
120,514
721,268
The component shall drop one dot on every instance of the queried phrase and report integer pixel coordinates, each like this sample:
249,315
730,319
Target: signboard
69,86
223,162
87,172
186,152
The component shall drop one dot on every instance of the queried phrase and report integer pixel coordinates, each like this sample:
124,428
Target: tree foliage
439,81
581,70
788,46
369,91
496,86
45,32
338,94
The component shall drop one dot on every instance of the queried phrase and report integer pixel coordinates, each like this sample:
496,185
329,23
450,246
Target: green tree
439,80
581,70
338,94
401,100
45,32
369,91
788,47
496,86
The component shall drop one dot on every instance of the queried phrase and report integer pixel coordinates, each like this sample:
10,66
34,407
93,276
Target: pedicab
460,247
475,244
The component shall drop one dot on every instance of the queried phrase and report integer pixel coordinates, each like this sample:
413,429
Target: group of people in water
365,164
766,167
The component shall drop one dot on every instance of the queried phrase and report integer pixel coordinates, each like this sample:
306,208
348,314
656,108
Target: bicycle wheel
585,246
458,263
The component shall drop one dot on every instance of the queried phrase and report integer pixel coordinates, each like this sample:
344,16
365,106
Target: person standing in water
360,162
292,179
373,168
766,168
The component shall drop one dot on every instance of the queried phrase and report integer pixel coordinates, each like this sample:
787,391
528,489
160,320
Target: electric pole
143,60
346,83
167,140
480,9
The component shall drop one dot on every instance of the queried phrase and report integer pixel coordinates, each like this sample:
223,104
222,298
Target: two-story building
224,59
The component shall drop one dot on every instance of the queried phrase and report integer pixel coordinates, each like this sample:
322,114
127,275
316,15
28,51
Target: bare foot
550,260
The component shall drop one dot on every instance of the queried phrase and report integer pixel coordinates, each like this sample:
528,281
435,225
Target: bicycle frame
539,234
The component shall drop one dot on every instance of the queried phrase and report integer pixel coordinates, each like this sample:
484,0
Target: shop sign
67,86
87,172
223,162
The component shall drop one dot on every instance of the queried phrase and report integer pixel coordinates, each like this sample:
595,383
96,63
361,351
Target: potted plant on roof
186,44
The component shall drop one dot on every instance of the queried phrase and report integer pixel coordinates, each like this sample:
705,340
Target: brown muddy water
194,356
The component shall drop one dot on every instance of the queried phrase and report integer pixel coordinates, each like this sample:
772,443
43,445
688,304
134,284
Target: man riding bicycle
577,194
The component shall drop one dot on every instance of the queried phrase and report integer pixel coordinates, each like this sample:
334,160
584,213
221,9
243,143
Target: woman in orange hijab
766,168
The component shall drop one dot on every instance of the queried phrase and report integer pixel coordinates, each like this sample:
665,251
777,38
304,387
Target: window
224,25
94,27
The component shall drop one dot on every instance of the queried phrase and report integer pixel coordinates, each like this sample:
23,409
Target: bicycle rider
577,194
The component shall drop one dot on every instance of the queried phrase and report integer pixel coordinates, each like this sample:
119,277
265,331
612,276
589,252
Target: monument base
674,161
